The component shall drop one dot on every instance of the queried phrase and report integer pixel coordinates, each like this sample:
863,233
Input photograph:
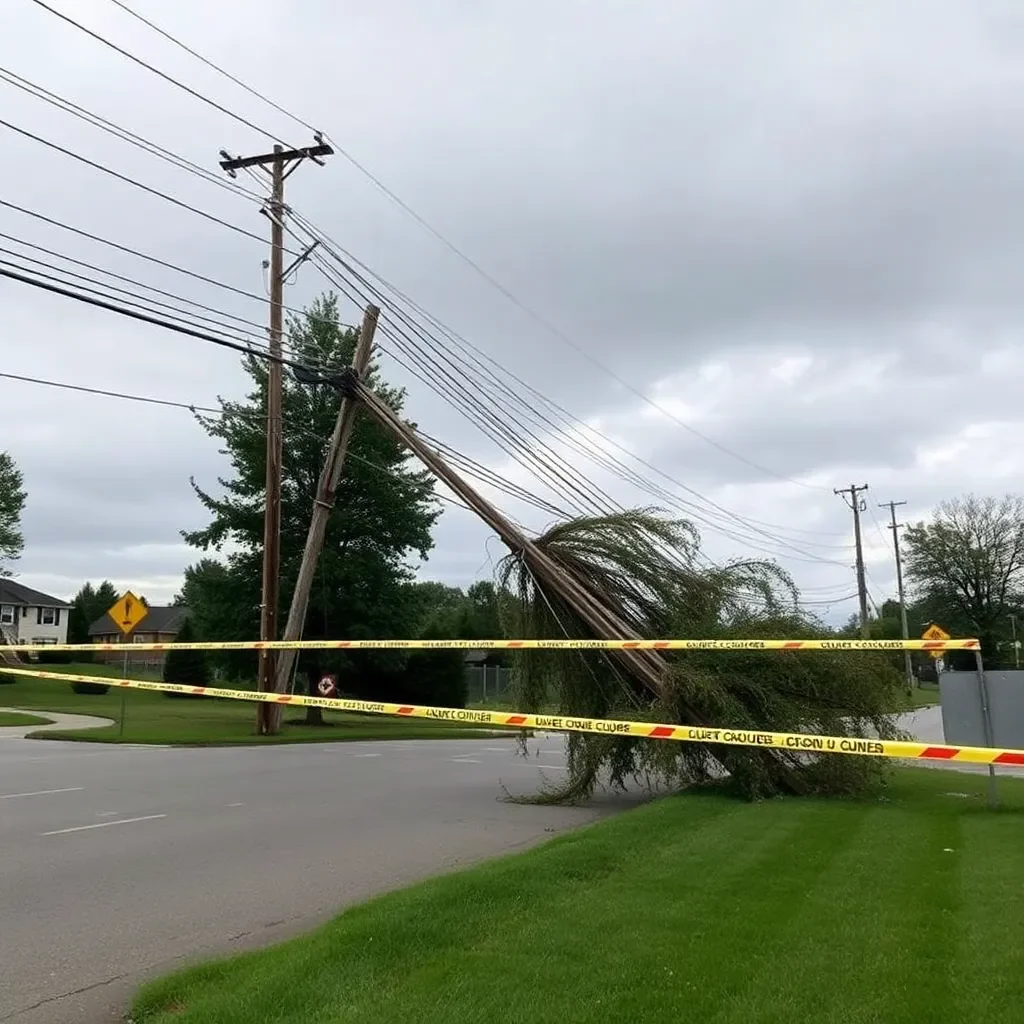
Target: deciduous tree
970,558
12,504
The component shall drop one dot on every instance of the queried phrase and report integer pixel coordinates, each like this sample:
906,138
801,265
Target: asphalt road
117,863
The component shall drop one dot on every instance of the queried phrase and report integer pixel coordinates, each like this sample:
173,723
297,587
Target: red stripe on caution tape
1009,757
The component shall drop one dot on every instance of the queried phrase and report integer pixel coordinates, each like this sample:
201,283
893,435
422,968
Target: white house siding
31,630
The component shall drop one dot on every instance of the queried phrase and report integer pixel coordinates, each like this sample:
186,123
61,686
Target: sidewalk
57,721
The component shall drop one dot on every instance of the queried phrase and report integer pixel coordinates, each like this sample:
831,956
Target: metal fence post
986,717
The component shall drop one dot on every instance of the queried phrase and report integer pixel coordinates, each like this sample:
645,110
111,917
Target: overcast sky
796,227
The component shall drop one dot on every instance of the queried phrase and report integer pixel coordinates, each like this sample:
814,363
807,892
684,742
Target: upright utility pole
278,164
858,505
895,527
1016,649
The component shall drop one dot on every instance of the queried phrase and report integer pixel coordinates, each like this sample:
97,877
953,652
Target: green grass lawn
154,718
17,718
923,696
904,908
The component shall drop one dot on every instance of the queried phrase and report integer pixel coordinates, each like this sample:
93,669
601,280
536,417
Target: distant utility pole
895,527
279,165
1016,649
858,505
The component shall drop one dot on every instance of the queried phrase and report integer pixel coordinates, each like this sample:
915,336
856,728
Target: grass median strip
156,718
901,908
9,718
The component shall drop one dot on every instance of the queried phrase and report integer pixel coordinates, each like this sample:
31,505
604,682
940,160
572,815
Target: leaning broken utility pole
278,165
647,667
330,477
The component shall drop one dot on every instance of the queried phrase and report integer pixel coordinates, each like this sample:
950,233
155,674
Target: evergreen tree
186,667
382,517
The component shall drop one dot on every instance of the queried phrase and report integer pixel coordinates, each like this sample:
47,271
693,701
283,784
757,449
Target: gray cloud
675,187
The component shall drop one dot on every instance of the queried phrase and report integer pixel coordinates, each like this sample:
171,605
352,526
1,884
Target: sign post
127,613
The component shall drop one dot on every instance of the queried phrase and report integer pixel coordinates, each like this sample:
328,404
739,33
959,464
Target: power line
395,198
140,255
128,280
196,409
773,539
201,212
111,128
567,417
471,465
148,304
213,218
247,350
448,388
239,342
601,460
162,74
495,480
215,67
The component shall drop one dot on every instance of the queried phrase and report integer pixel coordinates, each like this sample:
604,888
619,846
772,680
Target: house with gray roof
29,616
160,626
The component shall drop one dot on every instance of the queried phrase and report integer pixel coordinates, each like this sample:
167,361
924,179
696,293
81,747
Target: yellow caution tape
521,645
797,742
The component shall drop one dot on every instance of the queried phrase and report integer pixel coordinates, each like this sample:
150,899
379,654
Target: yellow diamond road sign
128,612
934,632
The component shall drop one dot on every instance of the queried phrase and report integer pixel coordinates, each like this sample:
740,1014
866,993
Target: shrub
188,668
93,688
436,678
55,658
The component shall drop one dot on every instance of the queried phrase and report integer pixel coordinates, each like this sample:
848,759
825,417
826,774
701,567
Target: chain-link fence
489,684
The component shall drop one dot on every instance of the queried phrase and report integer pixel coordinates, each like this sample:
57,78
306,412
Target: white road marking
102,824
464,760
553,767
54,757
43,792
105,814
496,750
236,805
366,755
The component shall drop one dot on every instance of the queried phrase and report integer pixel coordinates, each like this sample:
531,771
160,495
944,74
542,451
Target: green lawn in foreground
17,718
899,909
154,718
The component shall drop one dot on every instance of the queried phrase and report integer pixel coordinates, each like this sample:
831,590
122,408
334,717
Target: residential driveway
119,862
